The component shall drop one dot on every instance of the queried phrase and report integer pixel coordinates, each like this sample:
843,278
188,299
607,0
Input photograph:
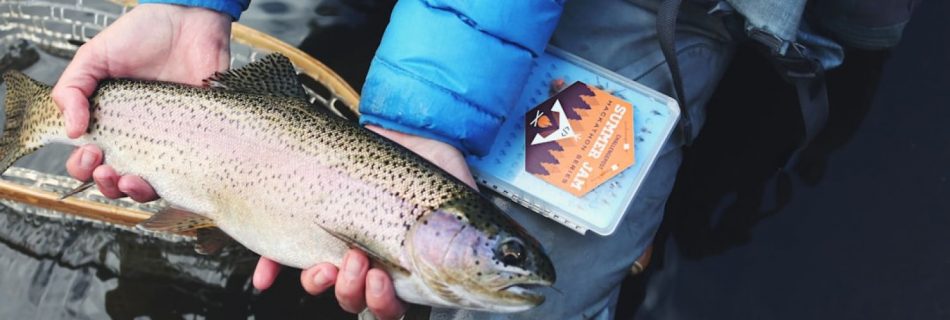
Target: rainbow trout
247,155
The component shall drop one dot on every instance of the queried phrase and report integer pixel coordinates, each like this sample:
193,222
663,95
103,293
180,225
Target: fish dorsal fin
211,240
272,75
377,257
172,219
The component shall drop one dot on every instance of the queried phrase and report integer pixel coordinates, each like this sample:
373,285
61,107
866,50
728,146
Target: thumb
78,82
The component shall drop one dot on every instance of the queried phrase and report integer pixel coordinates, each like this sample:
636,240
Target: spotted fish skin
296,184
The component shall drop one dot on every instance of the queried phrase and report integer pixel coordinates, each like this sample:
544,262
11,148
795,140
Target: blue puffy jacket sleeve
452,69
232,8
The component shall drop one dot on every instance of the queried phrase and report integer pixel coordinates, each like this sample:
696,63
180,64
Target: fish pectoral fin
80,188
172,219
211,240
376,256
445,292
272,75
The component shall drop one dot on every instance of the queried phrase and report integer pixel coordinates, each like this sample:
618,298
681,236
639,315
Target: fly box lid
578,144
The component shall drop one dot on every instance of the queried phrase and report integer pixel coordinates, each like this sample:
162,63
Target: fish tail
31,117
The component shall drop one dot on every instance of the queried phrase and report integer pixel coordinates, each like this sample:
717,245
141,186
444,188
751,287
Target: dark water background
861,232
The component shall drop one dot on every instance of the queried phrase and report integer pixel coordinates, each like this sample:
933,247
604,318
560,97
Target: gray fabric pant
621,36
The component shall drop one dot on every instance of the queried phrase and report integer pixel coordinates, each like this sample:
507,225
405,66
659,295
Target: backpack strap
665,32
807,75
792,63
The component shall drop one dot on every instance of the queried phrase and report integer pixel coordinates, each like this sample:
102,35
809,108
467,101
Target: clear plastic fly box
578,144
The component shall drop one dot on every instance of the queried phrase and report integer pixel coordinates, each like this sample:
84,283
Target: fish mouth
527,293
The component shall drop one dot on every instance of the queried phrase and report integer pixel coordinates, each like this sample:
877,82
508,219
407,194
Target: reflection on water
63,267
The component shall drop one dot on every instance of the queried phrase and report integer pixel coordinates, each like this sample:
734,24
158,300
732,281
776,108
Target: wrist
204,22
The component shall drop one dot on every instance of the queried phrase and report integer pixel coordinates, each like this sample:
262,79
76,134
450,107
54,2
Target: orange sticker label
579,138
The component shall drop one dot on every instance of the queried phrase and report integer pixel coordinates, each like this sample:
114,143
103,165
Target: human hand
359,287
151,42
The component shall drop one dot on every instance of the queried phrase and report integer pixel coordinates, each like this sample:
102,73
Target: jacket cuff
396,100
232,8
449,71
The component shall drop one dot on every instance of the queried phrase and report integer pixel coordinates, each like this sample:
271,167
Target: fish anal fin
211,240
272,75
172,219
377,257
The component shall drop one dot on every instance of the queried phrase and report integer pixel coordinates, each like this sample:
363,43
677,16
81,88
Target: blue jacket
231,7
450,70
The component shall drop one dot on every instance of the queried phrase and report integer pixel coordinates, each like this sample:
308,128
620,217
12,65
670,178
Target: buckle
789,57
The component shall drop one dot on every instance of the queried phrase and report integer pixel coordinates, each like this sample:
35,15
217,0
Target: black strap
665,33
792,63
808,77
813,100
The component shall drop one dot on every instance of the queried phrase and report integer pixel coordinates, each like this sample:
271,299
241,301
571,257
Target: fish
246,157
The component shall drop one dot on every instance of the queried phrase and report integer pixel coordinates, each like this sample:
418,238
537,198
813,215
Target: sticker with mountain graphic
579,138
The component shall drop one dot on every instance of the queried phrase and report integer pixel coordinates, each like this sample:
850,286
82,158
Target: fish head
472,255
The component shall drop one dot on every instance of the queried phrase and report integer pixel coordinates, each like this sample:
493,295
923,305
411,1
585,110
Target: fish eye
511,252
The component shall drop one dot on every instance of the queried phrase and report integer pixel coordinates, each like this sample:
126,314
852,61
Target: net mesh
58,27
